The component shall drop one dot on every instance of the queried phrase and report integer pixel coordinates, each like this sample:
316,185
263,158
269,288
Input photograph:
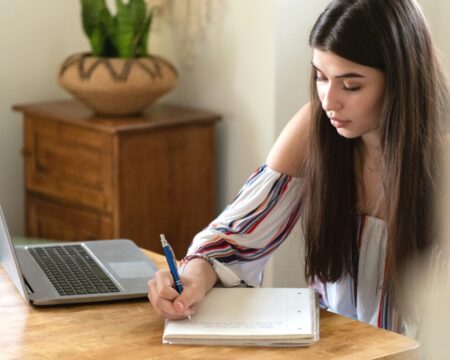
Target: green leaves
142,38
91,13
124,35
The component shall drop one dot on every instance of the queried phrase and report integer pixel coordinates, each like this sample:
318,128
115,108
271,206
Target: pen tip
163,239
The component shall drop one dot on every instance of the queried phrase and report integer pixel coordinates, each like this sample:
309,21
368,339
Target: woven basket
115,86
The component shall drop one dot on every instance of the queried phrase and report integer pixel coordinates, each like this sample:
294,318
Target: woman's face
351,94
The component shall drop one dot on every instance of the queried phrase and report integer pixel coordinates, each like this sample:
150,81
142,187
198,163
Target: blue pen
170,257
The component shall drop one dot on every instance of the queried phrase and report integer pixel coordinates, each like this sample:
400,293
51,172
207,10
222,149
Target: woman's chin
347,133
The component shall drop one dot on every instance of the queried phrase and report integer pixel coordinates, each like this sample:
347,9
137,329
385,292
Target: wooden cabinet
94,177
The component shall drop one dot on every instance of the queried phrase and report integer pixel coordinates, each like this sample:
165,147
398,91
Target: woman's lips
338,123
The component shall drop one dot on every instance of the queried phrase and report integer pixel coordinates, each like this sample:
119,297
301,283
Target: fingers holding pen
191,295
172,295
165,285
163,297
163,306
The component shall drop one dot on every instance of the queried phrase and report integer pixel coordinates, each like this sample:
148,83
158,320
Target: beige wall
441,26
233,74
35,36
438,12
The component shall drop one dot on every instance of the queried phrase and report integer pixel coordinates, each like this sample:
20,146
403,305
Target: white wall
441,28
234,75
35,37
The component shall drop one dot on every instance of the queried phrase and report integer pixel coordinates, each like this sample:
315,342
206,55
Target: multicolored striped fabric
249,229
239,243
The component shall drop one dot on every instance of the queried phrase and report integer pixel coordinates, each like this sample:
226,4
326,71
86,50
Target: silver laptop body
126,266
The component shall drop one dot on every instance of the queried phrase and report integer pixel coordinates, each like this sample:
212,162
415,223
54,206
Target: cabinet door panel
49,220
172,191
69,163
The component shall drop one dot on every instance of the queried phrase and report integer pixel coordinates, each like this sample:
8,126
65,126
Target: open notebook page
249,313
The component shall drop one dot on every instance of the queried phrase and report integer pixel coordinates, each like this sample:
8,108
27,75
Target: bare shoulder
288,154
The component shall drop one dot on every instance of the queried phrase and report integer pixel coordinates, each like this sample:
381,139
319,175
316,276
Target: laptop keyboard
72,271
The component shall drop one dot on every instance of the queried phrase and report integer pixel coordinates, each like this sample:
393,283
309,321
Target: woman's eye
317,77
352,88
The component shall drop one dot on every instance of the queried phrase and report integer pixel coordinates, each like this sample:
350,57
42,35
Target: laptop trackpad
132,269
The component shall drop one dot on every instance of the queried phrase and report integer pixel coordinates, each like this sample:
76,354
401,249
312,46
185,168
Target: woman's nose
330,100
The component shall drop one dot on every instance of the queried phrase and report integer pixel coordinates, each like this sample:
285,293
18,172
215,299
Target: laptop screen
8,258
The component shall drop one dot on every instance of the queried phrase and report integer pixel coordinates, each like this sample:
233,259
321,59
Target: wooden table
131,330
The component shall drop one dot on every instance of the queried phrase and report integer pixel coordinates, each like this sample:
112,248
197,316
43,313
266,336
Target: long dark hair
391,36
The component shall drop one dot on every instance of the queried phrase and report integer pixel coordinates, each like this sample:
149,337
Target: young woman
358,163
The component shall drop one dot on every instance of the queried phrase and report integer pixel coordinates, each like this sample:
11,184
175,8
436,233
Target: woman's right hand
168,303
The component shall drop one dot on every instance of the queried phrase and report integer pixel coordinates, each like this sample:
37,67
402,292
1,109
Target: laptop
75,272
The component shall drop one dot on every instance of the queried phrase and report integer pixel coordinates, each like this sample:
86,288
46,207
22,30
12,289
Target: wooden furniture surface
132,330
96,177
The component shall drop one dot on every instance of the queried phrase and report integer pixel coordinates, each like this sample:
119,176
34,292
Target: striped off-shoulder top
239,242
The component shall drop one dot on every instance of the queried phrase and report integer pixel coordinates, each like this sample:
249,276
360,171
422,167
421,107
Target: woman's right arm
235,247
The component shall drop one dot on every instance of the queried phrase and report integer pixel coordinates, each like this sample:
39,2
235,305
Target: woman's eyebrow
346,75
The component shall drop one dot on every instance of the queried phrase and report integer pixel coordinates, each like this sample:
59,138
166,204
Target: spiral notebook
250,317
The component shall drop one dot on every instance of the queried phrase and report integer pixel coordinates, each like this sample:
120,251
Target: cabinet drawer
68,162
49,220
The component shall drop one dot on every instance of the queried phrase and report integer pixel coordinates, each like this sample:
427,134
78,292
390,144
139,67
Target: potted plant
118,77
